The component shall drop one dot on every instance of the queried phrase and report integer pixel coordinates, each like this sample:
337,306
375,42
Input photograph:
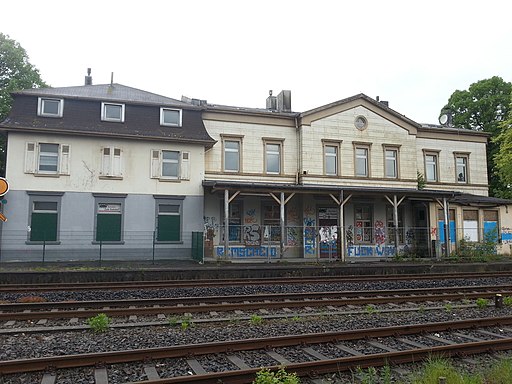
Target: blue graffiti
371,250
248,252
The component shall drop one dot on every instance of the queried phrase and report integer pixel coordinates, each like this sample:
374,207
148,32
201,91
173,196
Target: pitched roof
110,92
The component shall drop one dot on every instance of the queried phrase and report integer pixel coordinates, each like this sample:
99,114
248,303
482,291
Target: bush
265,376
99,323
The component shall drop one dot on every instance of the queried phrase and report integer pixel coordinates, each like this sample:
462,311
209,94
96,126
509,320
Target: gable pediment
355,103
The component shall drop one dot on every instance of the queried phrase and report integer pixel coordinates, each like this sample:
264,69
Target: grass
482,303
99,323
256,320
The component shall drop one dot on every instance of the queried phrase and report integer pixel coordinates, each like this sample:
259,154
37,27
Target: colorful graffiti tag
371,250
247,252
252,234
506,235
380,232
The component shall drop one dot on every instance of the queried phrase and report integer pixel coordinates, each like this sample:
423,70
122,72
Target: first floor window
461,163
363,224
232,155
331,159
108,221
47,158
431,167
111,162
361,161
168,222
273,158
44,221
170,164
391,163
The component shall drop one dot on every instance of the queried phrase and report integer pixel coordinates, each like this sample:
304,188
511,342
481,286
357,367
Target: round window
360,122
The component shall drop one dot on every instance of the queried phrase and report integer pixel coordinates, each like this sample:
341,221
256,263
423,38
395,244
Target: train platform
83,271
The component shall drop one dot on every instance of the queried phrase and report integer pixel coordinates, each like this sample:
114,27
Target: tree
503,158
483,107
16,73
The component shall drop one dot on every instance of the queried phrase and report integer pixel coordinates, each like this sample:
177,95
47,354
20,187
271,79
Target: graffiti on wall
250,216
309,241
371,250
252,234
211,227
380,232
247,252
349,235
409,237
328,234
506,235
293,237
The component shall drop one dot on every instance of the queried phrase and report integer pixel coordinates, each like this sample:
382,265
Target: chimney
88,78
271,101
284,101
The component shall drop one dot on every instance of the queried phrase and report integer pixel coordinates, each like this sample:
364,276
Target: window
232,155
431,167
362,159
170,165
168,225
272,219
111,162
170,117
47,158
391,162
49,107
470,223
461,168
491,225
109,217
112,112
44,220
234,222
273,157
364,226
331,158
390,222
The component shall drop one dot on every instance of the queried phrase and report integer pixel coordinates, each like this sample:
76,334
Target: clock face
443,119
360,122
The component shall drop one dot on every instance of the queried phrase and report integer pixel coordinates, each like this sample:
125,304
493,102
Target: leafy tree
483,107
16,73
503,158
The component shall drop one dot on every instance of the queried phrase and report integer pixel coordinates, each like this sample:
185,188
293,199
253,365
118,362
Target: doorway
328,228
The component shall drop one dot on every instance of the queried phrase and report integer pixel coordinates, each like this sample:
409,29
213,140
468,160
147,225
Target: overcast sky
412,53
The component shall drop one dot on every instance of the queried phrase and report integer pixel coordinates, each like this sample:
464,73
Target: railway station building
108,171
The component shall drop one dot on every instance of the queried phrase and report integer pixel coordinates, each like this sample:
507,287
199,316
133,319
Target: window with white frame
331,158
431,166
170,117
111,162
273,157
112,112
232,154
47,158
461,168
362,160
50,107
391,162
170,164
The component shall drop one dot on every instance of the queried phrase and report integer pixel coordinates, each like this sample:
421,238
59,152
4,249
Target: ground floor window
271,221
390,223
109,221
470,224
168,225
491,226
363,223
451,225
44,216
234,222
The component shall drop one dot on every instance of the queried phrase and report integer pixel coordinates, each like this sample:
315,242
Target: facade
109,171
102,171
349,179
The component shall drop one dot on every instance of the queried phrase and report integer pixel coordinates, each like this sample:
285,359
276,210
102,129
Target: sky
414,54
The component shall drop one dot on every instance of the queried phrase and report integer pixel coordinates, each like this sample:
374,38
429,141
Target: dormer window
170,117
49,107
112,112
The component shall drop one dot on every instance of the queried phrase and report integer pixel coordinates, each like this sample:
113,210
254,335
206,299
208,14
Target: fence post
154,239
101,243
44,247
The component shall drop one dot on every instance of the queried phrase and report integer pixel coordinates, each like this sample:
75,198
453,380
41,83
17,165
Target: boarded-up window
470,223
108,222
43,223
168,222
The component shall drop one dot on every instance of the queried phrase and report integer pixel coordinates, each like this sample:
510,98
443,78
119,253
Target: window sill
40,242
36,174
165,179
168,242
107,177
108,242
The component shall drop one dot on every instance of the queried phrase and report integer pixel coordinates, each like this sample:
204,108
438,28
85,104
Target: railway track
306,354
48,287
276,302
